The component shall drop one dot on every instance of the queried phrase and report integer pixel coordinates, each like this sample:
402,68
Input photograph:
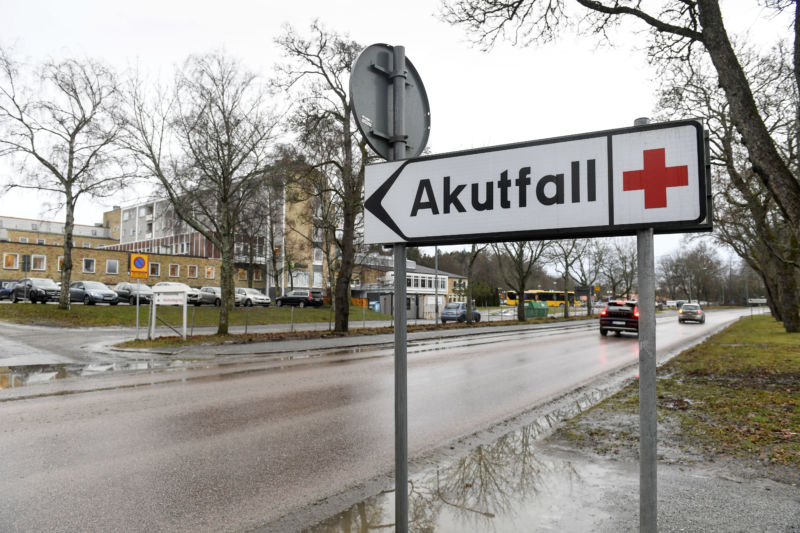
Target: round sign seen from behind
371,94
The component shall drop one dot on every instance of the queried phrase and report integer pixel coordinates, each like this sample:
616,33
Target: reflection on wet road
240,444
492,488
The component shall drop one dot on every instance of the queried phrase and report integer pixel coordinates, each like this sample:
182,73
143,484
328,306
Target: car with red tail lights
691,313
620,316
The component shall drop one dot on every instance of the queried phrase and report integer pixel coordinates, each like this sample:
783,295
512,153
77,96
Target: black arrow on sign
374,203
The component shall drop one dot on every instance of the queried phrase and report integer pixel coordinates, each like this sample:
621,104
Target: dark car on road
127,292
691,313
92,292
619,316
457,312
300,298
36,290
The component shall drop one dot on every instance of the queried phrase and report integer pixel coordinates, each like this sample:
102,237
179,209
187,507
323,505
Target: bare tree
61,126
518,261
747,218
323,121
587,267
668,275
680,31
473,255
207,142
619,270
251,233
323,217
563,255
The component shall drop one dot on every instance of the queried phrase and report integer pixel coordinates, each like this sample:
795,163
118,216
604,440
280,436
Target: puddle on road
503,486
23,375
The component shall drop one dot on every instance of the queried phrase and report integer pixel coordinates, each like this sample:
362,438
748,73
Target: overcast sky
477,98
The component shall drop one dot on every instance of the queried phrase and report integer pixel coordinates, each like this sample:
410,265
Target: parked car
92,292
300,298
457,312
36,290
192,295
252,297
5,289
691,313
619,316
213,296
127,292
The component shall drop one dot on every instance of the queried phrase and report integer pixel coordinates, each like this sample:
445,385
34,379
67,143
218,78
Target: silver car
691,313
252,297
213,296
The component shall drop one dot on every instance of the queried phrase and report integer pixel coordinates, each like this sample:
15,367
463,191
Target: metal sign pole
400,349
436,286
151,327
138,290
648,422
185,296
400,392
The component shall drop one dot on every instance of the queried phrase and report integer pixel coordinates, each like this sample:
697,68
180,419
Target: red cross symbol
655,178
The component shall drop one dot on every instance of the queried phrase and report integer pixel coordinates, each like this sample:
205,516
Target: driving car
92,292
691,313
457,311
36,290
619,316
300,298
252,297
192,295
213,296
127,292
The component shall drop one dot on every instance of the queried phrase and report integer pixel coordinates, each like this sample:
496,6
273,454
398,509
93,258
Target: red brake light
698,311
636,312
604,312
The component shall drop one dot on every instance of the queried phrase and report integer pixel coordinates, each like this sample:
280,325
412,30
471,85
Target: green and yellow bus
553,298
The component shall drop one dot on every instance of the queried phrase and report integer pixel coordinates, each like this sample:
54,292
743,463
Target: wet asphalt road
238,451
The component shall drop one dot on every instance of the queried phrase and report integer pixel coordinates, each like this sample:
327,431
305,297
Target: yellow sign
139,266
597,288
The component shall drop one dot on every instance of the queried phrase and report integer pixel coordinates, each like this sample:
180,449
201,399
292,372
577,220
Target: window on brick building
88,265
155,270
191,271
11,261
174,270
210,272
38,262
112,266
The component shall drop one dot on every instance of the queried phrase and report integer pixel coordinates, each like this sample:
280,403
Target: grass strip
125,315
736,394
355,331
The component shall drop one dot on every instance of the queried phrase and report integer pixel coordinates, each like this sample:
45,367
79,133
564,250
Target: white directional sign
604,183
